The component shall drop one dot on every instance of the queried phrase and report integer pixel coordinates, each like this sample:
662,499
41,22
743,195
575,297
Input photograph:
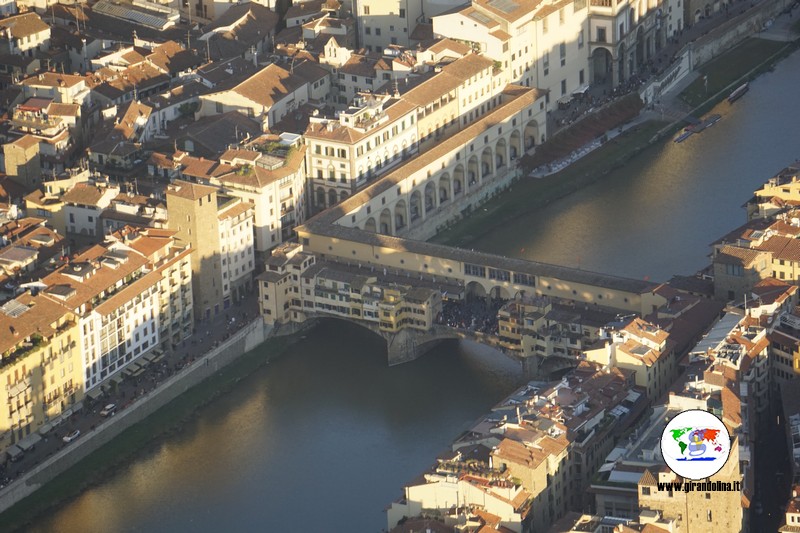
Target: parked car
72,436
109,410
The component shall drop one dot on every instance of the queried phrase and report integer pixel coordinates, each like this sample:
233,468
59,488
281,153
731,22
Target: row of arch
628,62
442,189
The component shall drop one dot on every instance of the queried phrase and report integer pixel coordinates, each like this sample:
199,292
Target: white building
386,22
126,294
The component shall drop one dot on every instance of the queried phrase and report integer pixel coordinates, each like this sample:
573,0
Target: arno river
324,438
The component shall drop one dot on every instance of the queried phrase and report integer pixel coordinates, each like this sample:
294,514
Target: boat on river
707,123
738,93
697,127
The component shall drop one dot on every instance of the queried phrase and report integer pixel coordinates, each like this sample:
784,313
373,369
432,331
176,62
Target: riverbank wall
734,31
247,338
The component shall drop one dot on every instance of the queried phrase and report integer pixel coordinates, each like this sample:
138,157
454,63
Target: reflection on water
656,216
323,436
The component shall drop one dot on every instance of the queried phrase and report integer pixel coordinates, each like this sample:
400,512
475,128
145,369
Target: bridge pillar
407,345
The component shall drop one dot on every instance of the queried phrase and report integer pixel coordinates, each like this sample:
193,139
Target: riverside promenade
215,344
669,107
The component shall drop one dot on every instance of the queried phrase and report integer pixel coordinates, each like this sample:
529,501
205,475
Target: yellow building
296,287
540,462
697,510
779,191
642,348
41,369
22,160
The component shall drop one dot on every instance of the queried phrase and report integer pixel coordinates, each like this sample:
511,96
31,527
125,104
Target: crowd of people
476,314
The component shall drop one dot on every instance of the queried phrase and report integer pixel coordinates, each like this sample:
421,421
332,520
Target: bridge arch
500,293
475,289
370,225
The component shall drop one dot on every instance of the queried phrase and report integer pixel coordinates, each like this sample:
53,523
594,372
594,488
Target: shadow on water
328,427
656,216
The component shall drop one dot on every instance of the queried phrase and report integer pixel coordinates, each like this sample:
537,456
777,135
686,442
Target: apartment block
382,23
114,291
23,162
219,229
268,173
546,438
643,348
379,131
41,367
373,135
24,35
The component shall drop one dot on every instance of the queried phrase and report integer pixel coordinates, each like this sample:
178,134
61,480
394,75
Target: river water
656,216
323,438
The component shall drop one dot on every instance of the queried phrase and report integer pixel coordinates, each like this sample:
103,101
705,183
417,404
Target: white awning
581,91
30,441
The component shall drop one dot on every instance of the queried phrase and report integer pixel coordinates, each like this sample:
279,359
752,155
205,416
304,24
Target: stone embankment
247,338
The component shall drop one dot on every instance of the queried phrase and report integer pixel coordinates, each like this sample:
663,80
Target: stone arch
343,196
415,205
601,63
395,153
487,163
472,171
458,180
430,197
475,289
400,215
386,222
639,47
332,197
498,292
530,134
320,197
515,145
444,188
370,225
500,153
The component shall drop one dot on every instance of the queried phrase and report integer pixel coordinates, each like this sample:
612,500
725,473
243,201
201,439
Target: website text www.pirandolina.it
701,486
